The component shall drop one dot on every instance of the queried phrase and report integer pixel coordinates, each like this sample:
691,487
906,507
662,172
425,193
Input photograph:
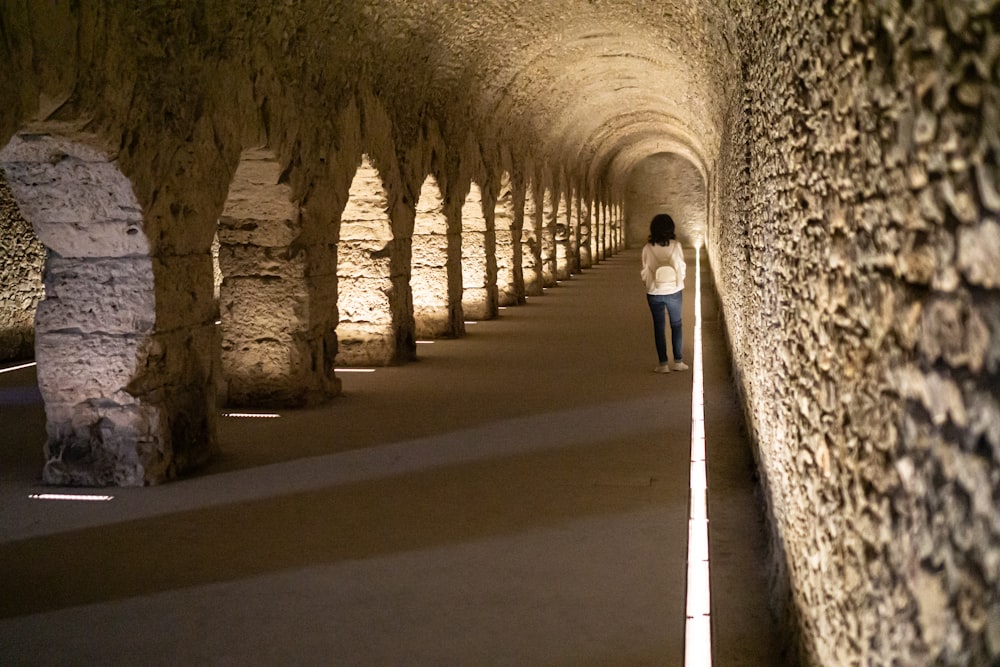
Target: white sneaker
662,368
679,366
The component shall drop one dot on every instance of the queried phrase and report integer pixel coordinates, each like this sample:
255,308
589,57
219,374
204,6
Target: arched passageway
837,162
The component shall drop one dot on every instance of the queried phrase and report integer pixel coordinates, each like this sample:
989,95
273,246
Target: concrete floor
515,497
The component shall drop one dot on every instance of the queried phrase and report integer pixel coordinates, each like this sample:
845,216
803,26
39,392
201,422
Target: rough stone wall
22,257
858,249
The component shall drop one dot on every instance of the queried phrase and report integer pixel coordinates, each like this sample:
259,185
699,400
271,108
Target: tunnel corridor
208,209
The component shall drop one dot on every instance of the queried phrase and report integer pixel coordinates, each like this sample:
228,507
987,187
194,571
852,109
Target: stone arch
531,240
479,263
549,215
563,231
585,208
571,222
510,290
403,170
126,346
275,346
367,330
432,307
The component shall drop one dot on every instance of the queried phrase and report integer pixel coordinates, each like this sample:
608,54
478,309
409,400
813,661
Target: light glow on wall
68,496
698,627
354,370
17,368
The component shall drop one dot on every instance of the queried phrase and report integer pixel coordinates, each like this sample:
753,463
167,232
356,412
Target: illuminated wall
857,252
568,237
433,242
549,214
366,332
479,291
510,289
531,242
273,340
666,183
22,257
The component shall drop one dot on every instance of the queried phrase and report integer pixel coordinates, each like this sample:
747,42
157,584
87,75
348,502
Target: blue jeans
672,303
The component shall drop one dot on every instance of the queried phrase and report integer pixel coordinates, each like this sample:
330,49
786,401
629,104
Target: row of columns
134,353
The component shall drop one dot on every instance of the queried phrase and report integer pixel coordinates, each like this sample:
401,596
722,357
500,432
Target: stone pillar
366,334
276,340
586,235
125,338
479,286
550,213
432,307
612,229
595,231
619,228
510,291
561,232
531,244
602,237
572,233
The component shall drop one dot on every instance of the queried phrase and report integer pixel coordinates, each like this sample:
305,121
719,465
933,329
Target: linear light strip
698,626
252,415
17,368
354,370
68,496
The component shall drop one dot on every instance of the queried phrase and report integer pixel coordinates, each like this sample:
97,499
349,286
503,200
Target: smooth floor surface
518,496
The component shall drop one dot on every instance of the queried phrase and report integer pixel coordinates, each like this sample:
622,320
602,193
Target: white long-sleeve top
655,256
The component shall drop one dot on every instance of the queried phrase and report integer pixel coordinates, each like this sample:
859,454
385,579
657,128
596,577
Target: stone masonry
839,161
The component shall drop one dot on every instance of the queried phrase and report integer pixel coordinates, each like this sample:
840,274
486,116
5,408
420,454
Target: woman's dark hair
661,229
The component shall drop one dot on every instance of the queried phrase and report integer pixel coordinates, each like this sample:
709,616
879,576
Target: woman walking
663,271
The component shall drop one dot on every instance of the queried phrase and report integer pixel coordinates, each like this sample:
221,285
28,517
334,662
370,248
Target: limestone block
477,303
98,295
74,366
430,223
237,261
263,307
375,228
430,251
364,300
257,191
432,321
258,230
267,359
363,258
80,209
365,344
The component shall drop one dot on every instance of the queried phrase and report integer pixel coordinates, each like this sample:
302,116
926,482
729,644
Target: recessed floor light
252,415
354,370
698,624
17,368
68,496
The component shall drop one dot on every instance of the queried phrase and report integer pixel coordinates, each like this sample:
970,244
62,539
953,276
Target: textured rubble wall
857,246
22,257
